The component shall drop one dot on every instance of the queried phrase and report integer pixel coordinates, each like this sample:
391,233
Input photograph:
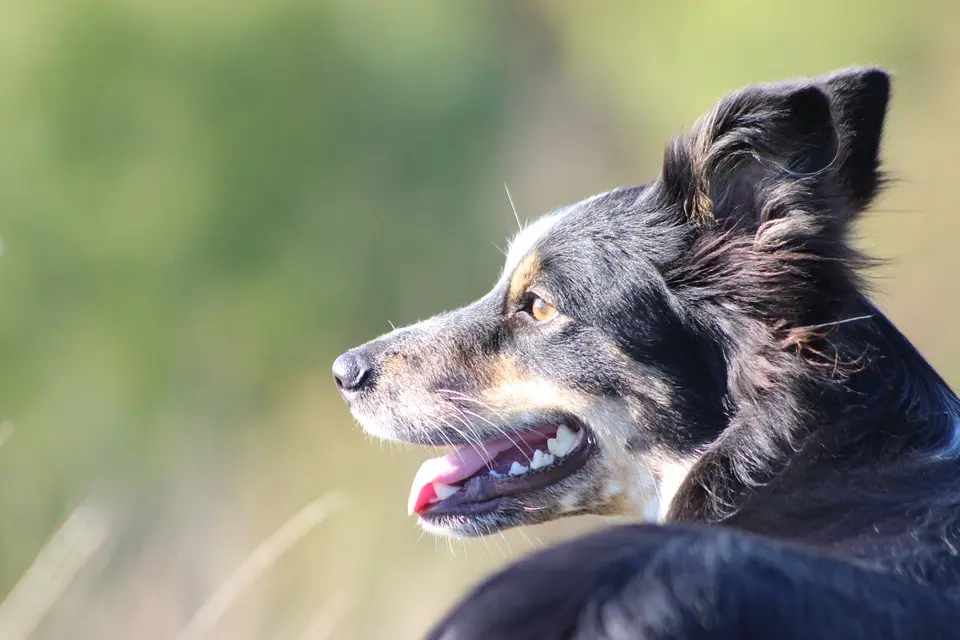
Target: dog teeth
495,474
557,447
537,461
563,443
566,438
517,469
444,491
540,459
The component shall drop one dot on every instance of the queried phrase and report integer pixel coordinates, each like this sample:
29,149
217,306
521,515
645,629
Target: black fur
688,583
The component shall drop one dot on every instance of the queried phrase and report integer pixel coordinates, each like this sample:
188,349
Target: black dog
711,327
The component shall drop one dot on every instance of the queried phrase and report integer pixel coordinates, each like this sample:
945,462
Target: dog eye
541,310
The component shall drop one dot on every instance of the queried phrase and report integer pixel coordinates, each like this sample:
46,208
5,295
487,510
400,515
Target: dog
710,327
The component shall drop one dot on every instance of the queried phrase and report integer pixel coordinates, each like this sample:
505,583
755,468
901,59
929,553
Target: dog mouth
474,480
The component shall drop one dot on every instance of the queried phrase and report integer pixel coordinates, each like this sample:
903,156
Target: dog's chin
504,517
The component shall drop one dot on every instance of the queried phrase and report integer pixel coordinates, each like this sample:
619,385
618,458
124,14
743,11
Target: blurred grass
202,204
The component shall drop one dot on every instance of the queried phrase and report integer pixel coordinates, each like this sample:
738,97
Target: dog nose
351,371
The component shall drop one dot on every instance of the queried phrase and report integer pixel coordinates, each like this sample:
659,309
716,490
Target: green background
203,203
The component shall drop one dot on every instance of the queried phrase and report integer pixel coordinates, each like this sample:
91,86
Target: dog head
618,336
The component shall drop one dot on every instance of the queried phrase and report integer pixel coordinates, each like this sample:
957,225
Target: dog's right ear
772,151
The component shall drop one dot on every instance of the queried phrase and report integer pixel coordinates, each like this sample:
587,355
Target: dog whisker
477,445
501,416
513,207
835,323
466,398
499,429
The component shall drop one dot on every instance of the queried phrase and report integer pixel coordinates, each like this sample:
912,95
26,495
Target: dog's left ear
770,151
859,98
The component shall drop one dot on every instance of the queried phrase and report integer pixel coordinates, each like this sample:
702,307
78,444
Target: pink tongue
453,467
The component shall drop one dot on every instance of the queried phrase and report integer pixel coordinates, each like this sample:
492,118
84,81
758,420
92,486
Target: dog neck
879,404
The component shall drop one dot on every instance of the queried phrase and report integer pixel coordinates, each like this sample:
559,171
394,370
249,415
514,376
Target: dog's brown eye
542,311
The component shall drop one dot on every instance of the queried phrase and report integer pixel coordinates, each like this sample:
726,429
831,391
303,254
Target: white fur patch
669,478
528,237
643,494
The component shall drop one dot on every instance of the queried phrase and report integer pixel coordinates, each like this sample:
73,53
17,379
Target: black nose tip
351,371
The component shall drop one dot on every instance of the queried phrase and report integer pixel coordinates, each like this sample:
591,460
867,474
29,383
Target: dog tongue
457,465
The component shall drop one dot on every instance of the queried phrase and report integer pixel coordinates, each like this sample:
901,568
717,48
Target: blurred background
203,203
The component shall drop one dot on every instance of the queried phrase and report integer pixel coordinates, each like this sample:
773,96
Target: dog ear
769,151
859,98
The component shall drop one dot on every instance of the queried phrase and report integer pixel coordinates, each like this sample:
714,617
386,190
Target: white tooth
495,474
566,439
553,446
547,460
565,433
537,461
444,491
564,447
517,469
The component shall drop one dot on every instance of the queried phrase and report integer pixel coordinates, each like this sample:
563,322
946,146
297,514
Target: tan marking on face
393,365
524,275
515,393
504,372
